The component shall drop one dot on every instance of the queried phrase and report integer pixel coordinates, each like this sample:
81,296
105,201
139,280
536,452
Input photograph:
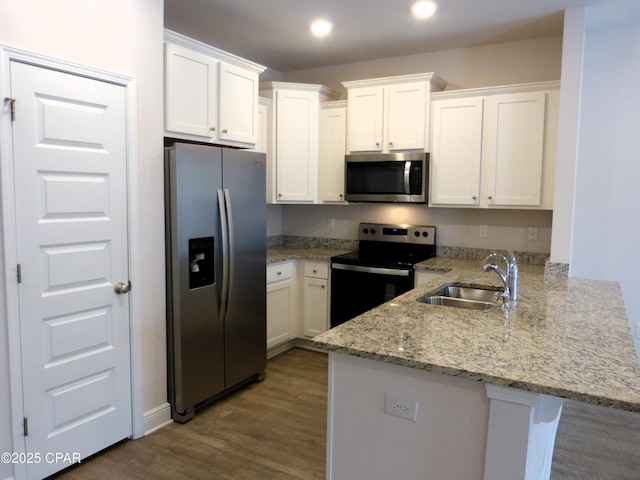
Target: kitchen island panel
447,440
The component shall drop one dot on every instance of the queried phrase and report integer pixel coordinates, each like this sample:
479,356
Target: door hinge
19,271
26,427
12,101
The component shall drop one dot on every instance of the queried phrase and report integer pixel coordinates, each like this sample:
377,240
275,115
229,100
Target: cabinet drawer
316,269
279,272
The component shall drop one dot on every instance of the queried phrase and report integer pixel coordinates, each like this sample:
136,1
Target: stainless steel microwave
387,177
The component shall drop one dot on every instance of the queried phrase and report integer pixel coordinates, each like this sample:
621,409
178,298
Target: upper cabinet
296,131
389,114
210,95
495,147
333,147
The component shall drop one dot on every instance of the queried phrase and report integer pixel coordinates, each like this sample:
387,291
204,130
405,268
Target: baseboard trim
295,343
157,418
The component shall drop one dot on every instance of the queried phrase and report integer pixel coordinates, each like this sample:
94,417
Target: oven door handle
376,270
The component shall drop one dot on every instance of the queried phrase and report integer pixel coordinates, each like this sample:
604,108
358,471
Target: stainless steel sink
461,295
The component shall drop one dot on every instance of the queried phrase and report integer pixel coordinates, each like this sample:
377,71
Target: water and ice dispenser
201,262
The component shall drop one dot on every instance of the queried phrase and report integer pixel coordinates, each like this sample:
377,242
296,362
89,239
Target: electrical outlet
482,231
330,223
401,406
532,234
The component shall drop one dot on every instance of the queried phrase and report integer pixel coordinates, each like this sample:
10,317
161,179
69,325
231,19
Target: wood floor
276,430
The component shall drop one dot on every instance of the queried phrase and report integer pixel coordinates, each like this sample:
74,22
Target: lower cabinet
281,303
316,298
297,309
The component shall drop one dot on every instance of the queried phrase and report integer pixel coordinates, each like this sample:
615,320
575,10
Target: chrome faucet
509,276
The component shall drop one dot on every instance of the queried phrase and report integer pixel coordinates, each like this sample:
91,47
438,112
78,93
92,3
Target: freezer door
245,322
195,331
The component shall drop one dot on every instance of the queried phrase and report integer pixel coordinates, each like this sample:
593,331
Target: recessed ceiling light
423,9
321,28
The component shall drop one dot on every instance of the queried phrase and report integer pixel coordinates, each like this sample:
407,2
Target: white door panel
71,208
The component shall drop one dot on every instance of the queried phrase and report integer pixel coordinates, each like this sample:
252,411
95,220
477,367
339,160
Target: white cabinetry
210,95
494,148
333,133
264,126
281,302
316,298
392,113
296,119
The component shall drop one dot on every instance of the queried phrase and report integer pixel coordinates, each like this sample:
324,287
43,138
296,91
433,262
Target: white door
365,108
71,206
238,104
297,129
514,148
456,151
191,90
407,122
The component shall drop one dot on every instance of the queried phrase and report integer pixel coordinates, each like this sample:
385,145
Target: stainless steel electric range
381,269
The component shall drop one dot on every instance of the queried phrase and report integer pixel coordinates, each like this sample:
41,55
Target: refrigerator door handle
231,256
224,231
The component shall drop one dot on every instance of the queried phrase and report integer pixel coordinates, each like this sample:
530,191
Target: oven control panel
417,234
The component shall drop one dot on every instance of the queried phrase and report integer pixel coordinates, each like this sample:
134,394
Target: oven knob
416,233
365,230
425,234
373,231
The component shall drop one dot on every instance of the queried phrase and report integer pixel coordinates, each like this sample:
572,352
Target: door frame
9,247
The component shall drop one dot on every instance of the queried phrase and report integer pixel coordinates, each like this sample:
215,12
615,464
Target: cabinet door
333,126
407,116
456,151
190,92
297,120
238,105
280,312
264,127
365,107
315,306
514,147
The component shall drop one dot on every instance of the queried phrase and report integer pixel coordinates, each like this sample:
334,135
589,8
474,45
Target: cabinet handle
377,144
213,129
391,144
279,273
225,131
279,195
474,197
315,271
490,197
322,286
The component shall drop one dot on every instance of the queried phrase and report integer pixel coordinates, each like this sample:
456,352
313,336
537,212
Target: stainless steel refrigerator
216,261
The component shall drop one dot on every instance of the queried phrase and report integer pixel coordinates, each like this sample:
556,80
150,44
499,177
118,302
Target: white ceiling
275,33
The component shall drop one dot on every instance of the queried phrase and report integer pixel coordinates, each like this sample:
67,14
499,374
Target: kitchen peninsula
494,412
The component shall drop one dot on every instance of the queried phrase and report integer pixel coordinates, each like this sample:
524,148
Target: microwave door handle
407,172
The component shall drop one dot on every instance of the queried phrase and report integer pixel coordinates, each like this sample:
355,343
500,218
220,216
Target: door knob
122,288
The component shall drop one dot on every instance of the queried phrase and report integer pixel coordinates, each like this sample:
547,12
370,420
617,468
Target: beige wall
524,61
124,37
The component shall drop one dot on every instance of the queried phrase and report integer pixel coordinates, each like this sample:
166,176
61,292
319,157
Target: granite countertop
564,337
283,253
